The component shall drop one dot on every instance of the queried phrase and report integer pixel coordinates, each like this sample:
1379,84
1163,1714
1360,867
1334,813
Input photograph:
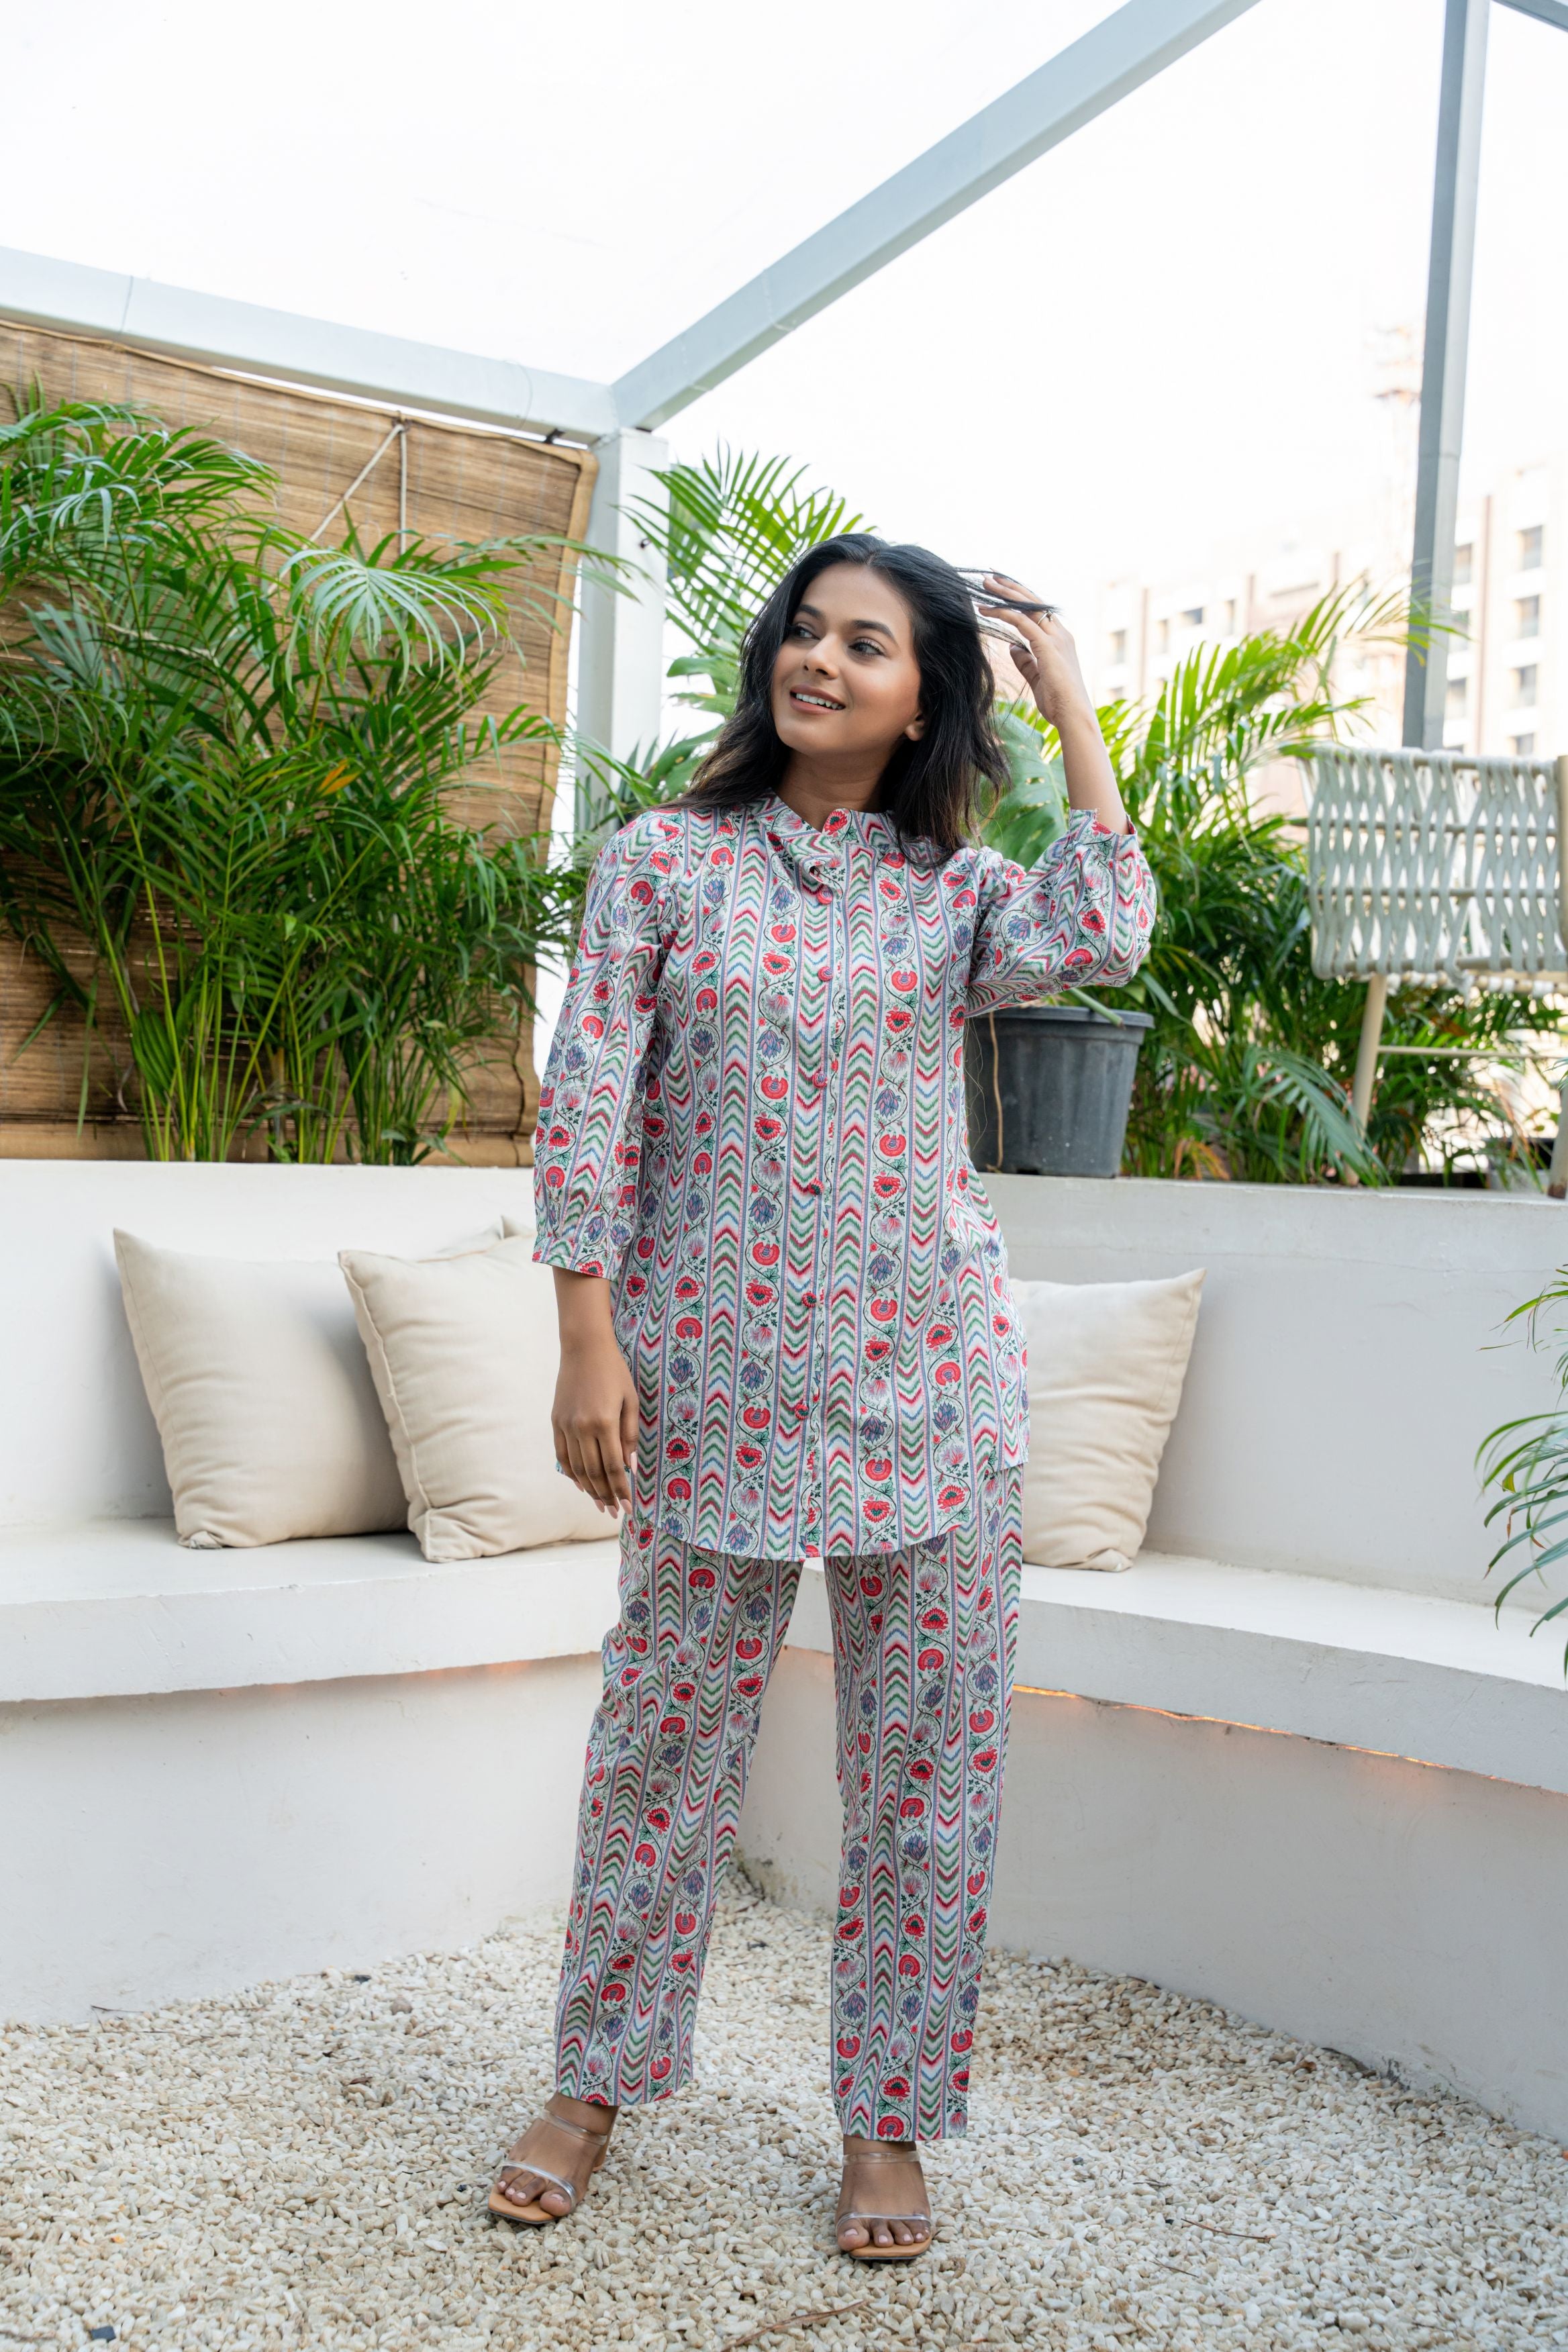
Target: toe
521,2188
882,2235
554,2201
904,2234
852,2237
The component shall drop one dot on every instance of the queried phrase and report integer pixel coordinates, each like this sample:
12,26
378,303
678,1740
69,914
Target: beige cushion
465,1356
1107,1360
263,1399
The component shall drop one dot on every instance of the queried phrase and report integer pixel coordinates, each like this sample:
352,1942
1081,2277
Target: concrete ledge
1401,1674
117,1608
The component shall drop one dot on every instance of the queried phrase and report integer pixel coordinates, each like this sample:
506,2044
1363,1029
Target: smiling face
846,685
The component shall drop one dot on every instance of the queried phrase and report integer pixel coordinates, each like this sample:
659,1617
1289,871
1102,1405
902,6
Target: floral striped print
923,1646
753,1122
685,1669
923,1643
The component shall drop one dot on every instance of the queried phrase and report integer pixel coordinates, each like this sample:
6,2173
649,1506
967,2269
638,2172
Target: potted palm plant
224,757
1049,1085
1226,1057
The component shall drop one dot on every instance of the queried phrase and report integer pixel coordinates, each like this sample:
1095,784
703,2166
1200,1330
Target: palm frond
1524,1463
728,530
224,754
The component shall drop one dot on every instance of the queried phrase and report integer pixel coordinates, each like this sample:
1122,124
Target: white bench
218,1766
1287,1761
223,1766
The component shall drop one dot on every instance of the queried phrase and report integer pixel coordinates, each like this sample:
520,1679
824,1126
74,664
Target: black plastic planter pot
1049,1088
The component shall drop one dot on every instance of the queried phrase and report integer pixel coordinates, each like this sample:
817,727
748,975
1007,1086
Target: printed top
753,1122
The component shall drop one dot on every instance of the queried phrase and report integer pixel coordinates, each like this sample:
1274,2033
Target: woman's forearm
1086,764
583,1306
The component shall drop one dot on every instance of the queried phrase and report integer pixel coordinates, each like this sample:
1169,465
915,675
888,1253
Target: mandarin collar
821,853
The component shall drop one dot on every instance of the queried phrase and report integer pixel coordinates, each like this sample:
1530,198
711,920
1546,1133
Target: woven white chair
1438,869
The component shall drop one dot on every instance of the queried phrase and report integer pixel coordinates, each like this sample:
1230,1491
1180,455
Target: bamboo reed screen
435,480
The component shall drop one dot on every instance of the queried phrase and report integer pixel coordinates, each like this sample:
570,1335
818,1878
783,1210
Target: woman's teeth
817,701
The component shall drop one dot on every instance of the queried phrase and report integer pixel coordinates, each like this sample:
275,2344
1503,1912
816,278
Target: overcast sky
1155,335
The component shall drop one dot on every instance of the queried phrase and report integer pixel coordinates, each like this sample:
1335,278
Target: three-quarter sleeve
1083,916
589,1137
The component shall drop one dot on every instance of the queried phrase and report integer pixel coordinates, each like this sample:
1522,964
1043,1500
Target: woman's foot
545,2175
884,2215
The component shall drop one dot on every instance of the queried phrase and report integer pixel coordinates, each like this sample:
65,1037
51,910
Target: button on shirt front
752,1123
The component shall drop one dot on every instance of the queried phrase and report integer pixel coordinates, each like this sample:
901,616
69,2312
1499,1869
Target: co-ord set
753,1124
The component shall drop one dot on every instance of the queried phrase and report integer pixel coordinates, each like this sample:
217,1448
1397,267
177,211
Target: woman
786,1330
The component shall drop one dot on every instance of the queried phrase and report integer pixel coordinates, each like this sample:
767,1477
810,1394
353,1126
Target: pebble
303,2169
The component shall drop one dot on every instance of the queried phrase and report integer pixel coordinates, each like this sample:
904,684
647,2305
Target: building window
1193,618
1118,646
1163,635
1459,697
1529,549
1527,616
1464,565
1524,747
1524,687
1230,616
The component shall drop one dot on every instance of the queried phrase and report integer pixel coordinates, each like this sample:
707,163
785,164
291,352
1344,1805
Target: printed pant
923,1642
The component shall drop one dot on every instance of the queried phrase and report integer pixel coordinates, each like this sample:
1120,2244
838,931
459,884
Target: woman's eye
866,646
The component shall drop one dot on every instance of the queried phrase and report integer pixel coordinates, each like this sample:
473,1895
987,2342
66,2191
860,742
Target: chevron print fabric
923,1644
752,1123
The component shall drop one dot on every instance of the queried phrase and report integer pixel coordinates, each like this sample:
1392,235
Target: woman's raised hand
594,1417
1046,658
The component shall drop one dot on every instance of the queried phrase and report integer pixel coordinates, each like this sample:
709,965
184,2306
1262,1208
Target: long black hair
933,790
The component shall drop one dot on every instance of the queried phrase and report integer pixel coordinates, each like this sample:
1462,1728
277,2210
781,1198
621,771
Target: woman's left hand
1046,658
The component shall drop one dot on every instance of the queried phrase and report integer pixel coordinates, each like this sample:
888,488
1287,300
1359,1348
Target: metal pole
1557,1174
620,644
1448,275
1376,1005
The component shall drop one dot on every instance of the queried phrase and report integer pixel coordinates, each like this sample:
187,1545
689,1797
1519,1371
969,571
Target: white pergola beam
1128,48
1114,58
387,369
1546,12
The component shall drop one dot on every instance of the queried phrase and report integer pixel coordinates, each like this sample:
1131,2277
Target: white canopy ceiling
1140,330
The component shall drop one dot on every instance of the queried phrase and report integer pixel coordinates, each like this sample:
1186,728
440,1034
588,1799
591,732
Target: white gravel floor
306,2166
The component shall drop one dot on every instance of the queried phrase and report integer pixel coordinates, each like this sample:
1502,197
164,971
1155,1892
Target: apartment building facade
1508,659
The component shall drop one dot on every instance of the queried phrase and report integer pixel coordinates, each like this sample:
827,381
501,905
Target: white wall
185,1845
1412,1916
1348,1358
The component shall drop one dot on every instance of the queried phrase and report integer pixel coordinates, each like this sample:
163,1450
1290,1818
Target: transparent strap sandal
565,2154
883,2184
